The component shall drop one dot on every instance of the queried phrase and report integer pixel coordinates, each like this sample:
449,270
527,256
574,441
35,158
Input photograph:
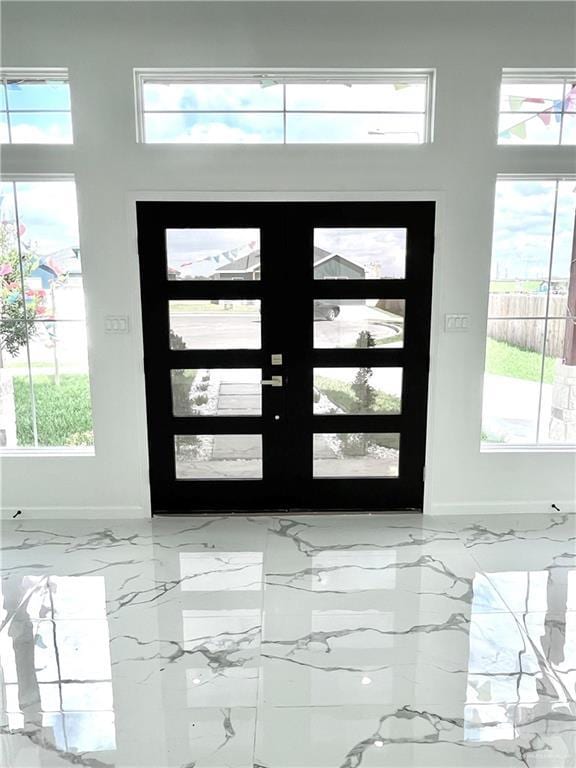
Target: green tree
18,307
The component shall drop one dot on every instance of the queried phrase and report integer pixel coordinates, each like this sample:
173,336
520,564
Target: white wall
467,43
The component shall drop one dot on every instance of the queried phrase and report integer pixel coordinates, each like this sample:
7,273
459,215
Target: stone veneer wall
563,421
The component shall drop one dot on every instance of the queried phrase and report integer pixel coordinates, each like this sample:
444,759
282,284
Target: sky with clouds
166,124
524,214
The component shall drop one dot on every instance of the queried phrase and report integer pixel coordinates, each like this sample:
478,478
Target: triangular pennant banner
401,86
545,117
519,130
516,102
505,134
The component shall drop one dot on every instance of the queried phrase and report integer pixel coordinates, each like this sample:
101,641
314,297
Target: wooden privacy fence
511,321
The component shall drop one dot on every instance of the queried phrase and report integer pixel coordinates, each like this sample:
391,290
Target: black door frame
285,227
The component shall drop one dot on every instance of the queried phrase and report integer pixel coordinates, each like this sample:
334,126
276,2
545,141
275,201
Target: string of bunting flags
555,110
226,257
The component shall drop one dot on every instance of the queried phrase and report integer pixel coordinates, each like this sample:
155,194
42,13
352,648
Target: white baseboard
566,506
75,513
449,508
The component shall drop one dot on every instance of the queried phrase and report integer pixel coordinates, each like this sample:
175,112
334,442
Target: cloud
523,225
220,133
48,211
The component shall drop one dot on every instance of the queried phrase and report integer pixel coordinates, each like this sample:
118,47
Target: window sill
49,452
527,448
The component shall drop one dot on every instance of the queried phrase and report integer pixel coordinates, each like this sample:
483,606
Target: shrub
352,444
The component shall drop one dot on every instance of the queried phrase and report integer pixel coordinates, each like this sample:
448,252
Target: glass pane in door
213,254
356,454
217,392
350,323
361,391
353,253
215,324
218,457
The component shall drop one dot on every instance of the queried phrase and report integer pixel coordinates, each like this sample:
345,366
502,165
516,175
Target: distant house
331,265
245,268
326,265
63,263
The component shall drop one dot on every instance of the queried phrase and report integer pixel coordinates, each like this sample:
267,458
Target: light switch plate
117,324
456,323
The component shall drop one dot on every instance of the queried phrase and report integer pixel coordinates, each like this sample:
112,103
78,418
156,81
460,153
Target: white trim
518,76
74,513
333,75
284,76
314,195
49,452
477,508
288,195
543,448
486,447
535,176
37,176
59,74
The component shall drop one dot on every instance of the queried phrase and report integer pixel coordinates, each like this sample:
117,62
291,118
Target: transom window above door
537,108
284,107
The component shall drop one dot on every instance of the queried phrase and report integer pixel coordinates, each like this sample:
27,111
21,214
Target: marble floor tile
433,737
312,641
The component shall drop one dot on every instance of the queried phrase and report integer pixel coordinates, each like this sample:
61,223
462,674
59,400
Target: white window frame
242,75
58,74
525,77
535,447
48,451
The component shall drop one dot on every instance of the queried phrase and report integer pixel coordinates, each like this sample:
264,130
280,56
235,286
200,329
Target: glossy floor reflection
275,642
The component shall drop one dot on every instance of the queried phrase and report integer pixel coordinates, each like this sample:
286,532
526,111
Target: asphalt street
242,331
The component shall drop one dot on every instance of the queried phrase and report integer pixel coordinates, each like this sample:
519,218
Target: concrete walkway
510,408
238,396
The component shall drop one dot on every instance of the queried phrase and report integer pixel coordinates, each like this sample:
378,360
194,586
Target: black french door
286,351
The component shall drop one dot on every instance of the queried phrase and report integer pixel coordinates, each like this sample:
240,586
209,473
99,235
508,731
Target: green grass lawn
340,393
511,286
505,360
63,411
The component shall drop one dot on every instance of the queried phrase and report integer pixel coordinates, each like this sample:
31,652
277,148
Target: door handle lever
275,381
